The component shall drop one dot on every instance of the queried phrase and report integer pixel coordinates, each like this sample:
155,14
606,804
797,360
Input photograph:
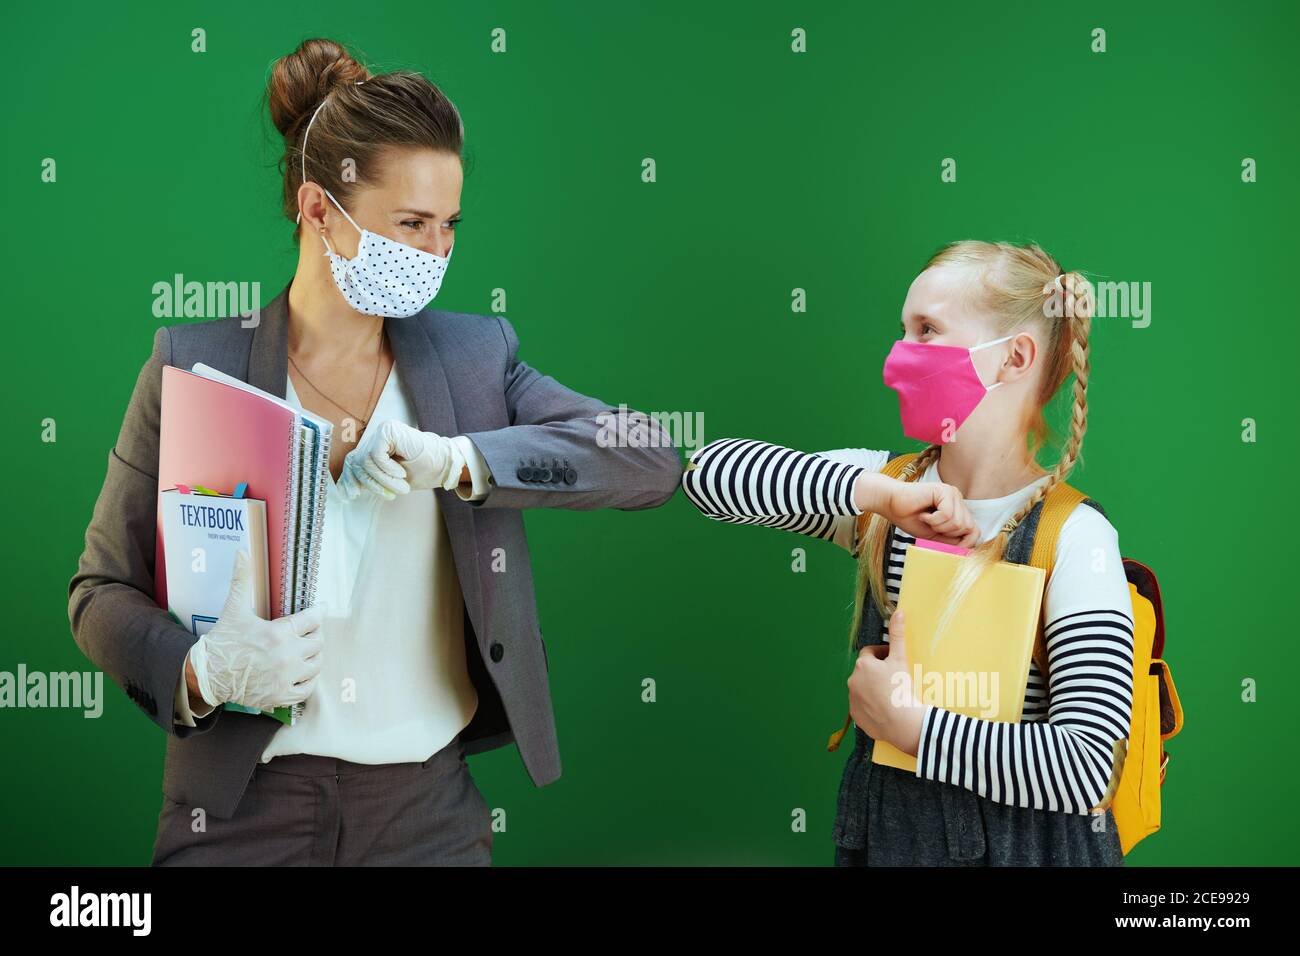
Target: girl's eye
453,223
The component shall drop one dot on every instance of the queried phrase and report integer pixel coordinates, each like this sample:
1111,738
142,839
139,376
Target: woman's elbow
81,593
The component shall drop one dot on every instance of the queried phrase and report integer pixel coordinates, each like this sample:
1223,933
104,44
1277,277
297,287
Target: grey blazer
463,379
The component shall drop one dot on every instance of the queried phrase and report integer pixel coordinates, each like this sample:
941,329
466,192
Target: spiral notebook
217,432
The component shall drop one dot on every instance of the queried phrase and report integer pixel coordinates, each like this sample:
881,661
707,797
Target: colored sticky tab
205,491
941,546
241,489
183,489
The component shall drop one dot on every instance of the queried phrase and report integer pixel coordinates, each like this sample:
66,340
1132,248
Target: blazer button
524,474
570,475
496,652
545,474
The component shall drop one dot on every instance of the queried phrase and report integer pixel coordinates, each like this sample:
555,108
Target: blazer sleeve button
496,652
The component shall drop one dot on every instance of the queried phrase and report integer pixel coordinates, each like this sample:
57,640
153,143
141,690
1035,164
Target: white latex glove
394,459
247,660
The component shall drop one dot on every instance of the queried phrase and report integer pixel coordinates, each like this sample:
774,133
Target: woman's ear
312,206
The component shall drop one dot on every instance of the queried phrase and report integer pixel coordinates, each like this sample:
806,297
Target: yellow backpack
1140,761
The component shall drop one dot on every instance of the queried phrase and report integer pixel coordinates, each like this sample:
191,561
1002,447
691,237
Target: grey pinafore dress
891,817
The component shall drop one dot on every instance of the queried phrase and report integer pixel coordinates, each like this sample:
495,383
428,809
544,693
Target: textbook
980,665
203,531
219,432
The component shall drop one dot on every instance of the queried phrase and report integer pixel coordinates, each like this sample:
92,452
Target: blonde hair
1021,287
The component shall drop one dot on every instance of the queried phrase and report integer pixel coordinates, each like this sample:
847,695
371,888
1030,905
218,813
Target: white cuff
480,483
181,712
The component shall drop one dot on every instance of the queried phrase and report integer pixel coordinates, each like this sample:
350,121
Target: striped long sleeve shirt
1062,753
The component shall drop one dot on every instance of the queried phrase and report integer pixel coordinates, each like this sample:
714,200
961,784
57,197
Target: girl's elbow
689,483
700,457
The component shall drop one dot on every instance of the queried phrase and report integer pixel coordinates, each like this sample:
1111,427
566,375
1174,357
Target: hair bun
303,78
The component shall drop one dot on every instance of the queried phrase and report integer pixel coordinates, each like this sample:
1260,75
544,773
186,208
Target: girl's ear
1021,357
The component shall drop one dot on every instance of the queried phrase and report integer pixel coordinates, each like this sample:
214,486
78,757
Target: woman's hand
881,698
393,459
251,661
927,509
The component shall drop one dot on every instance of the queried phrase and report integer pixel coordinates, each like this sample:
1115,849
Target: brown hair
1022,287
362,116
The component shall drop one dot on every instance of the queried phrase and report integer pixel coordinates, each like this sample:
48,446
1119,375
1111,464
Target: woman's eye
414,223
453,223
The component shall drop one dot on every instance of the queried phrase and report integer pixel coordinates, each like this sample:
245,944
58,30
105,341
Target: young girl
990,333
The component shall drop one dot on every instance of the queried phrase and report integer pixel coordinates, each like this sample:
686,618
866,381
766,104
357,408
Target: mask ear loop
302,155
344,211
329,249
986,345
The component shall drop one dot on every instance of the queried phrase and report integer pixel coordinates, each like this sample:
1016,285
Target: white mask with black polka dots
386,277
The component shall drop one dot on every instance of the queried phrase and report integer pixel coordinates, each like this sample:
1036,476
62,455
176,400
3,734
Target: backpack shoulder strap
894,467
1061,501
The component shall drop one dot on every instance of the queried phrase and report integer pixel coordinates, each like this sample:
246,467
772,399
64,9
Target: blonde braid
871,554
1076,293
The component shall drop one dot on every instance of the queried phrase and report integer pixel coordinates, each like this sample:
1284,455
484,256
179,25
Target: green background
775,171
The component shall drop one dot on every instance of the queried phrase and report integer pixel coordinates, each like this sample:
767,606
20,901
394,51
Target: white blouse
393,685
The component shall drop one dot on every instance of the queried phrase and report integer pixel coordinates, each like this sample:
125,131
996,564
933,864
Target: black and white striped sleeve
741,481
1063,763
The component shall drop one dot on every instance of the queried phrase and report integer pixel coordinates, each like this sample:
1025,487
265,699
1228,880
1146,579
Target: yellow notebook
980,665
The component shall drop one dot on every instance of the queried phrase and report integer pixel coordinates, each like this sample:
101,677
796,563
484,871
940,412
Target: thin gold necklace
379,358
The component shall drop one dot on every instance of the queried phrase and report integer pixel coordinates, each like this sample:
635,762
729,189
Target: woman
420,651
991,331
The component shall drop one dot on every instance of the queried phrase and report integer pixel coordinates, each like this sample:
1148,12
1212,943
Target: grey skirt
890,817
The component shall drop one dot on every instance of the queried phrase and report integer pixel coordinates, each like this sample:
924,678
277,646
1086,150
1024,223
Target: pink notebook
217,431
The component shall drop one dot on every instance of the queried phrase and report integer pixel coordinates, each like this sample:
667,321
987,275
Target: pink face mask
938,387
